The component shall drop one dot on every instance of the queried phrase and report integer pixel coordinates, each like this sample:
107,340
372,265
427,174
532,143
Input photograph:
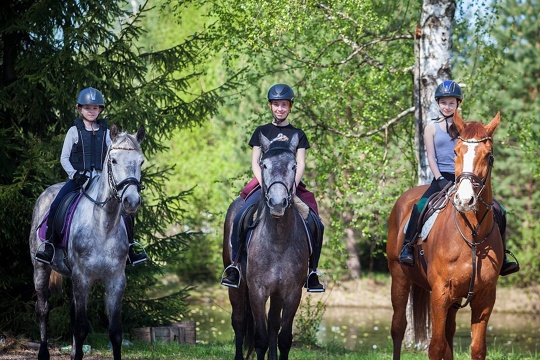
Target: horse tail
420,298
249,325
55,283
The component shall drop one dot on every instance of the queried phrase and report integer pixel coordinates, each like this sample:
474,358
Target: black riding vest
89,152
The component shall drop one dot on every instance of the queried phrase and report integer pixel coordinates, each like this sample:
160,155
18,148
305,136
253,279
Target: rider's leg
47,254
499,213
133,257
231,276
313,284
406,256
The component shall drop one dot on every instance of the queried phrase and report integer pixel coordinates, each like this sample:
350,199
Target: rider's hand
80,178
441,181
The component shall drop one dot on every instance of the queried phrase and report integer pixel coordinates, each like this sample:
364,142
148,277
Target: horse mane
473,130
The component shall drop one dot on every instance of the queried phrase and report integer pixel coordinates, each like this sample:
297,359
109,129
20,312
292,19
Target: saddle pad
309,235
426,228
428,225
68,218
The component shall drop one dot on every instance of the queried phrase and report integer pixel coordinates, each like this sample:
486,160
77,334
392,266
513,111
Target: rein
476,181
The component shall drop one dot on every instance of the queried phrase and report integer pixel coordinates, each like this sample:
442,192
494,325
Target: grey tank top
444,150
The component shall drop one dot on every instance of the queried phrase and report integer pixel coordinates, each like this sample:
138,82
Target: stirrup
232,266
320,276
44,244
141,250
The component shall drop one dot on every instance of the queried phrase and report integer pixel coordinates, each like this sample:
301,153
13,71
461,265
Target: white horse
98,244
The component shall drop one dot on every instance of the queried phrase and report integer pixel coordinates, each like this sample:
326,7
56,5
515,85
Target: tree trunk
353,260
432,48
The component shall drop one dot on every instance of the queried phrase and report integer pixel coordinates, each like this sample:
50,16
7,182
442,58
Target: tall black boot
499,214
316,228
134,258
46,255
406,256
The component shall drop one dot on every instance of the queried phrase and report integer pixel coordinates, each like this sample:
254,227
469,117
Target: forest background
195,73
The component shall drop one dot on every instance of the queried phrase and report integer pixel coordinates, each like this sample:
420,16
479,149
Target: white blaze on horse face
465,198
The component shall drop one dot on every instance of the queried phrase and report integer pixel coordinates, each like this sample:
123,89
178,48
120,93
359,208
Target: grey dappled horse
276,264
98,243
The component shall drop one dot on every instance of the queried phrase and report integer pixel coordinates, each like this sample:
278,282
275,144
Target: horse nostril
471,202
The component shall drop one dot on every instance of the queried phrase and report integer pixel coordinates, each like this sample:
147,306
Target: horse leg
274,318
258,308
41,284
451,328
79,320
438,347
239,318
481,309
400,291
114,294
290,307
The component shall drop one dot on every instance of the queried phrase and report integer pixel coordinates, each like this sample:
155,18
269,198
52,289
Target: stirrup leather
232,266
323,283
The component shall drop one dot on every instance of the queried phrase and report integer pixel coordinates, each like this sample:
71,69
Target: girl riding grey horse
84,150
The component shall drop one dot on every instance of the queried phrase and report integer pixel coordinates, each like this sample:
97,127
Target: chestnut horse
460,258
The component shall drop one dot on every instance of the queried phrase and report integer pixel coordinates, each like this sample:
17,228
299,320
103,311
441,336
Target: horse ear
114,132
140,134
293,144
265,143
490,128
458,122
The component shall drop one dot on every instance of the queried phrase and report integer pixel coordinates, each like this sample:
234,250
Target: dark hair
452,131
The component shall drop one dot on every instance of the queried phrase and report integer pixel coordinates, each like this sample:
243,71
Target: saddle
249,221
62,219
434,204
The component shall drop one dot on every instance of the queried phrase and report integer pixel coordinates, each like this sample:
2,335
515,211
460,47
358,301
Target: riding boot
499,215
508,267
316,228
46,255
134,258
231,276
406,256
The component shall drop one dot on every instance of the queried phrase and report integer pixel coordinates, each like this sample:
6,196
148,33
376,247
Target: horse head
474,161
123,165
278,172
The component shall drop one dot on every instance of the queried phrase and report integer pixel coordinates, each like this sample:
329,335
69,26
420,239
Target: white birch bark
433,46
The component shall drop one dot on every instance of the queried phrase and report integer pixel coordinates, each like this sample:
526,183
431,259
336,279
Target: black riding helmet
448,88
90,96
281,92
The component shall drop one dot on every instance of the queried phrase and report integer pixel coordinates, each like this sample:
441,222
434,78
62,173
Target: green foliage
50,52
502,75
307,321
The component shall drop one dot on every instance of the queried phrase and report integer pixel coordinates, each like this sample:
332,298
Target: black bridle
476,182
290,190
118,188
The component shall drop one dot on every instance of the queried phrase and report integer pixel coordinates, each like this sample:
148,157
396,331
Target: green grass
225,350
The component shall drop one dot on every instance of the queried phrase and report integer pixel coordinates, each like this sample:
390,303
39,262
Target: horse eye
294,167
113,160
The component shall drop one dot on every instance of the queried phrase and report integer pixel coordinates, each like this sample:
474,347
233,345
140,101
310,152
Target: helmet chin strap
279,121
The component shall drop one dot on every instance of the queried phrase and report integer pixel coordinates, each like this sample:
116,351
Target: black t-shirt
271,132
